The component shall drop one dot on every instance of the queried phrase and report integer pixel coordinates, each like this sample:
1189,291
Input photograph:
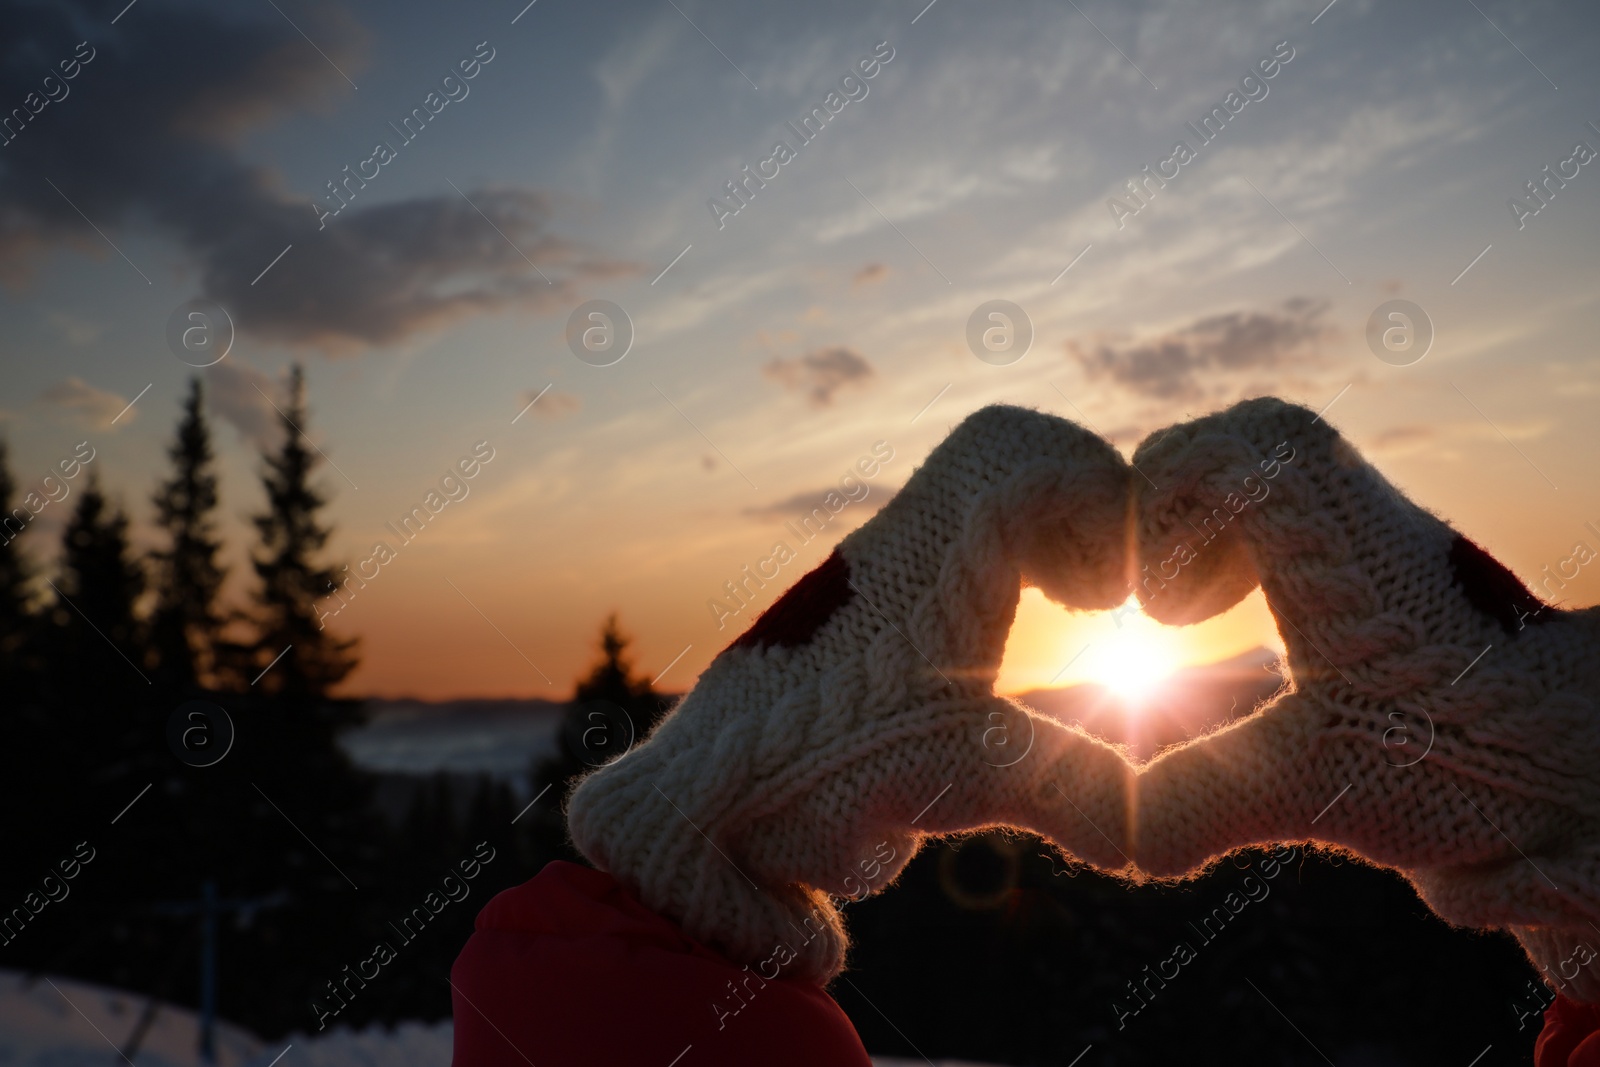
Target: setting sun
1124,650
1132,653
1133,660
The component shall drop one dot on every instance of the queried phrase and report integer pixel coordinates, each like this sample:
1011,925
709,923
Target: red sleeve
568,970
1571,1035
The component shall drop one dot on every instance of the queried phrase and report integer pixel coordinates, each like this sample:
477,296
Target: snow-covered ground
407,1045
61,1022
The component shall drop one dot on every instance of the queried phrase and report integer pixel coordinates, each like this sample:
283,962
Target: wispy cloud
77,331
1183,364
93,405
871,274
803,503
553,404
234,393
821,373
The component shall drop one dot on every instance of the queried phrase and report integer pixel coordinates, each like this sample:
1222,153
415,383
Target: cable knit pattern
1385,611
857,716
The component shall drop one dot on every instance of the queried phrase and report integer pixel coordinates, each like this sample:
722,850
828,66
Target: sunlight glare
1133,656
1132,669
1052,647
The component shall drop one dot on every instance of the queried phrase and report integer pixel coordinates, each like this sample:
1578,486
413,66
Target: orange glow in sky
1125,650
774,358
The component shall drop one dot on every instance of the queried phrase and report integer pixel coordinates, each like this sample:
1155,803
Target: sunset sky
828,315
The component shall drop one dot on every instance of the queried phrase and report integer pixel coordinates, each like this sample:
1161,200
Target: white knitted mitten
1440,718
857,715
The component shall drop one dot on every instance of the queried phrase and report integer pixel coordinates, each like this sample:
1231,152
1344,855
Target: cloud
165,150
234,394
1179,365
96,406
1404,437
553,404
821,373
1444,440
390,270
803,503
638,57
77,331
870,274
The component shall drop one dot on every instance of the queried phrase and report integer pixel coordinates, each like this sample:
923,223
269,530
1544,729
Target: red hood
569,970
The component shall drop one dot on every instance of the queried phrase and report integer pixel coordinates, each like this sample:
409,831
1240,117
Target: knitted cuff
1567,959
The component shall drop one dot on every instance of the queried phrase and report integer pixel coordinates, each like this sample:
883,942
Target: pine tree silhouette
16,621
611,710
99,631
315,835
95,691
24,722
292,580
612,678
187,623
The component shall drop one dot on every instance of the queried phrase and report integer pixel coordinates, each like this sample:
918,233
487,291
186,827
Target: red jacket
1571,1035
569,970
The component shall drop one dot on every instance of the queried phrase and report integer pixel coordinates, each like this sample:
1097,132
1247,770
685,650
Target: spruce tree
593,734
24,724
612,676
98,593
16,621
292,579
315,835
187,624
612,709
95,688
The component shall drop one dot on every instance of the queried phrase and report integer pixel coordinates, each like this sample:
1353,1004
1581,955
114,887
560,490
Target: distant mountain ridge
1189,702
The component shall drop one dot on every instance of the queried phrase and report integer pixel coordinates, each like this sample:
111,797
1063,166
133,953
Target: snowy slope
410,1044
62,1022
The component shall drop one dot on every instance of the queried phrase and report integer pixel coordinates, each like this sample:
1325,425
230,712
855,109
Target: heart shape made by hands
1441,719
857,716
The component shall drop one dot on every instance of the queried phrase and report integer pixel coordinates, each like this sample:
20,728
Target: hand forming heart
1398,629
857,715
